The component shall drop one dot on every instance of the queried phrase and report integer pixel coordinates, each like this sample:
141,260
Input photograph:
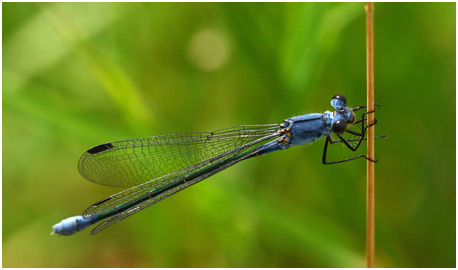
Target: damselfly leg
351,139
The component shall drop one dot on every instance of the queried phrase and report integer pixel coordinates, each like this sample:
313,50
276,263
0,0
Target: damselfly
154,168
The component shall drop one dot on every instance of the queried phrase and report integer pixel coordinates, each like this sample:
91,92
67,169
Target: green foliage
79,74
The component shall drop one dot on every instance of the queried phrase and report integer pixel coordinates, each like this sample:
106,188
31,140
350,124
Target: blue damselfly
154,168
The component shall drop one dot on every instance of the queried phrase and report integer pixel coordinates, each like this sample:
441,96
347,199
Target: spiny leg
363,106
362,133
363,127
363,117
325,151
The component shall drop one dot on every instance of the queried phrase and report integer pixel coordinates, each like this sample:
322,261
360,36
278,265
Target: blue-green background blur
79,74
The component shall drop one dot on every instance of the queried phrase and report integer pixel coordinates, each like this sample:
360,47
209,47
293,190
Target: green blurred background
79,74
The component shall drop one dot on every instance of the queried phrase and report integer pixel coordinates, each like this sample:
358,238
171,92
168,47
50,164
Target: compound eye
341,98
339,127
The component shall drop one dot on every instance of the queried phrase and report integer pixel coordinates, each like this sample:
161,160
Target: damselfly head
342,116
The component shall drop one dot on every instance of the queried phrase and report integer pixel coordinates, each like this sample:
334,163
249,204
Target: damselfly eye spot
339,127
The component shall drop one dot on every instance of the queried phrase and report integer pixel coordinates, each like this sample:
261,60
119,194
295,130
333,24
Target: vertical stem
370,231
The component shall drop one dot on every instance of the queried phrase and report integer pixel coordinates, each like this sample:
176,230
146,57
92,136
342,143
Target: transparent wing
131,162
155,186
183,184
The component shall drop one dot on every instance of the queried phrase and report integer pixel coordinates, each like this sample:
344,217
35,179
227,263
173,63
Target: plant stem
370,222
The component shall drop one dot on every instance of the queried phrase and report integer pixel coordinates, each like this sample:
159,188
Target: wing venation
131,162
